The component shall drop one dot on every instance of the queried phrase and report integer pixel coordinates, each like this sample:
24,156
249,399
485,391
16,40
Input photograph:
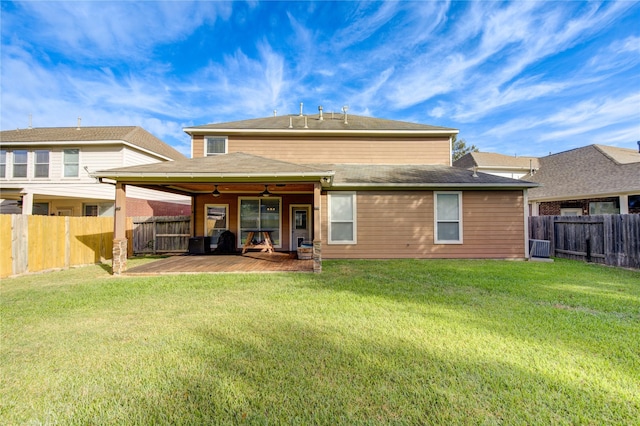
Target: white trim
354,218
286,131
435,218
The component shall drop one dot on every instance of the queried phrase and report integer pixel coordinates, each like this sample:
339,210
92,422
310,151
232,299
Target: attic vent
322,118
345,109
79,121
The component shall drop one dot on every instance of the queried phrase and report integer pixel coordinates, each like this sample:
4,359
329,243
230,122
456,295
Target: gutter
300,131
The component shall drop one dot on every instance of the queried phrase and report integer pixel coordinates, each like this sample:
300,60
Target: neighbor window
71,162
448,217
41,169
3,163
91,210
342,217
215,146
41,209
603,207
20,164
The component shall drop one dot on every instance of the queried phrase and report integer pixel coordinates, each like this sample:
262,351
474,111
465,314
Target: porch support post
624,204
119,261
27,203
317,228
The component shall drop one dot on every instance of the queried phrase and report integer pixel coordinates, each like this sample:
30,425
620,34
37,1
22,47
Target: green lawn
365,342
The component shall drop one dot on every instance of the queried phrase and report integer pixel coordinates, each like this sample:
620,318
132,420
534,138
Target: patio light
215,192
266,192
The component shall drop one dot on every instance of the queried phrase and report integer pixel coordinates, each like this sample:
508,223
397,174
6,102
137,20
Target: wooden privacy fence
161,234
41,243
609,239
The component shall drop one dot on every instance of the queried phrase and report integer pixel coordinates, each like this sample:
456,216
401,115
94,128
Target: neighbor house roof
330,123
134,135
587,172
493,160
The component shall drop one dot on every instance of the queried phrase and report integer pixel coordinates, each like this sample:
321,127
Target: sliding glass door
260,214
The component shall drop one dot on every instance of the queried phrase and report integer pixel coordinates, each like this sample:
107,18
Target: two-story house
357,187
48,171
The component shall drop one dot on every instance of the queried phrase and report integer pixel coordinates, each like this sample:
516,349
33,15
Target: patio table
266,245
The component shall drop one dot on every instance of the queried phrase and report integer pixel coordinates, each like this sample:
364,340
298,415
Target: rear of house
354,187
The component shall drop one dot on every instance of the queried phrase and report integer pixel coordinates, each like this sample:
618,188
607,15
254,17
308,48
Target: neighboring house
357,187
595,179
48,171
498,164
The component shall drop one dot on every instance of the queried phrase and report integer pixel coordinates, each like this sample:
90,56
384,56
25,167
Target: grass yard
365,342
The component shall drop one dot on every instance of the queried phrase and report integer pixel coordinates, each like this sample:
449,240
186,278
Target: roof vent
290,122
301,104
275,112
345,109
638,147
79,121
31,116
322,118
305,122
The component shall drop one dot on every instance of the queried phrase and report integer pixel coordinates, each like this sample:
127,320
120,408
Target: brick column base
119,261
317,256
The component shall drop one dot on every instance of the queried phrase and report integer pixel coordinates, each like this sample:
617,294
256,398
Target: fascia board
318,132
583,196
429,186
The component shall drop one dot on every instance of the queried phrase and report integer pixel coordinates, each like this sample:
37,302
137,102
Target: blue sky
518,78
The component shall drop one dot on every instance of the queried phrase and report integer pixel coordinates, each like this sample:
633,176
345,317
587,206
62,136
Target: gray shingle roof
588,171
235,164
135,135
415,175
329,123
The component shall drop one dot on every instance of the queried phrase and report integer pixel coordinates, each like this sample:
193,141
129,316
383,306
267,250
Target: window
91,210
42,164
20,164
342,218
572,211
3,163
41,209
216,221
603,207
448,217
215,145
260,214
71,162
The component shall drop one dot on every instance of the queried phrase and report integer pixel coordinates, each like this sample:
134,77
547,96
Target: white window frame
14,164
36,164
206,145
3,163
353,221
64,163
436,221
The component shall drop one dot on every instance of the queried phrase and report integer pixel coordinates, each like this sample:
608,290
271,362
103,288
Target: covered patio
203,264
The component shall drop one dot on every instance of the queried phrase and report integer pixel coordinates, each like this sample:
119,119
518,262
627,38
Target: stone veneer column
119,262
317,256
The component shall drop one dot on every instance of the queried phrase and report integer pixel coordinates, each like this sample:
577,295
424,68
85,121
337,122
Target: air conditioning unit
539,248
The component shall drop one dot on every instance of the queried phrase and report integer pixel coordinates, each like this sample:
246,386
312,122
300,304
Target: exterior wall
232,201
340,150
401,225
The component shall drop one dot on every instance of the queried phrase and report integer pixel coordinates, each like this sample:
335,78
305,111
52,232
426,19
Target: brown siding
197,146
340,150
400,225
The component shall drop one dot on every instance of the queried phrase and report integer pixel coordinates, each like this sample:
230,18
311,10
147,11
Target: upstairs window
41,169
448,217
215,146
71,162
20,164
3,163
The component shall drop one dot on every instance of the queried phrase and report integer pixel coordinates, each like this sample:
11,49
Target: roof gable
490,159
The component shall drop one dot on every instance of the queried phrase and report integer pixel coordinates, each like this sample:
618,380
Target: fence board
6,259
609,239
161,234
